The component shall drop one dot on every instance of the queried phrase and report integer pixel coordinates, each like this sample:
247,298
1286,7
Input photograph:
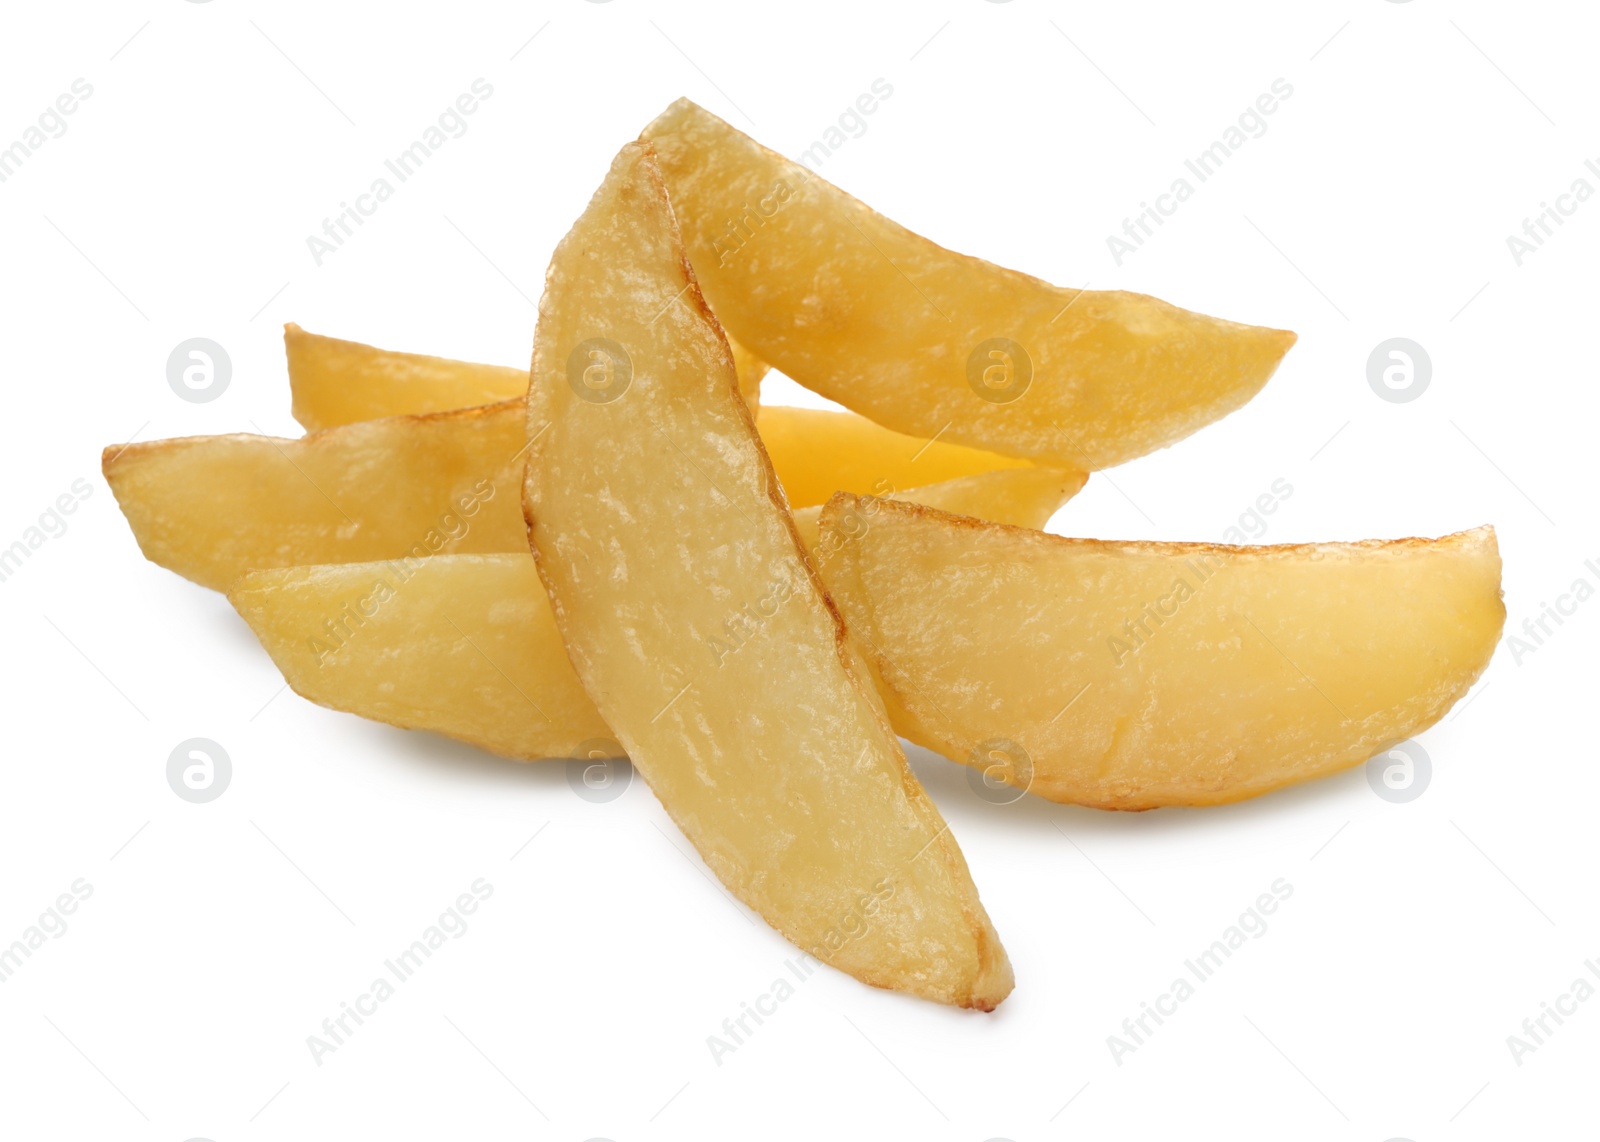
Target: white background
219,936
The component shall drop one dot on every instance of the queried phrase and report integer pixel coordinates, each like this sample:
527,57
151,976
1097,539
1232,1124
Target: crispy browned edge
808,175
988,961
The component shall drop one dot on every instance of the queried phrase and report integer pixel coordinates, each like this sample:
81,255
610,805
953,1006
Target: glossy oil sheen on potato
1135,675
883,321
700,630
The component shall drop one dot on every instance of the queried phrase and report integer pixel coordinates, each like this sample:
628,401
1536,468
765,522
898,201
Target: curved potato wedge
463,645
934,343
213,507
336,382
1136,675
701,631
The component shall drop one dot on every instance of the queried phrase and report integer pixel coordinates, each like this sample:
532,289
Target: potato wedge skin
1140,675
212,507
336,382
891,325
463,645
701,631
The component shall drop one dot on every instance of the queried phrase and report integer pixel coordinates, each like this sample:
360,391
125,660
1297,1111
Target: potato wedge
213,507
463,645
934,343
866,458
1026,497
1136,675
336,382
701,631
861,457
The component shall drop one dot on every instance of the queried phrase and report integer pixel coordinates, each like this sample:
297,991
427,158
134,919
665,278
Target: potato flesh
657,524
1275,665
336,382
883,321
463,645
214,507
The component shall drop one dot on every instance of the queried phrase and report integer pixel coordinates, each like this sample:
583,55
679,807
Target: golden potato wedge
701,631
463,645
213,507
861,457
867,458
336,382
1136,675
1026,497
934,343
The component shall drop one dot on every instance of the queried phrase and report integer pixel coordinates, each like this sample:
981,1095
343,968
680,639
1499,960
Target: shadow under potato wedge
1136,675
336,382
935,343
654,514
413,487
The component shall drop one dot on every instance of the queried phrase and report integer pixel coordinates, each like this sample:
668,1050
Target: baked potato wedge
700,629
935,343
406,487
463,645
1137,675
